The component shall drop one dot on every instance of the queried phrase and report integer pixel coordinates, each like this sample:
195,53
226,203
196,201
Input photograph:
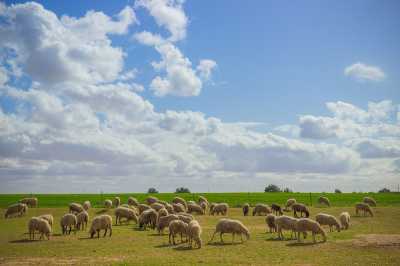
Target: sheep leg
110,231
212,236
169,238
98,233
220,236
70,229
313,235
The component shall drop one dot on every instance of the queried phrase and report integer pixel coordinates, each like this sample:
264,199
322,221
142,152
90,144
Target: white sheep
245,209
101,222
261,209
75,208
164,221
127,213
108,204
231,226
370,201
157,206
31,202
327,219
116,202
365,208
143,207
211,207
285,223
17,209
345,220
185,218
133,201
148,217
150,200
82,220
324,200
194,232
289,204
203,205
48,217
162,212
177,227
220,208
270,221
41,225
305,224
203,199
87,205
68,221
195,208
178,207
299,207
177,200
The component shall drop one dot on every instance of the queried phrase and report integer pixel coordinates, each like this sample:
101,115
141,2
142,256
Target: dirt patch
60,261
377,240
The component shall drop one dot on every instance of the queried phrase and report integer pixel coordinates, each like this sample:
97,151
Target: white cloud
205,68
377,148
148,38
363,72
318,127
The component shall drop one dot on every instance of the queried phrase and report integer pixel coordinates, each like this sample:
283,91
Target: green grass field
369,241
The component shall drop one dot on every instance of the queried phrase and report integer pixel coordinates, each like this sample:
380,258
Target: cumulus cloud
364,72
205,68
318,127
377,148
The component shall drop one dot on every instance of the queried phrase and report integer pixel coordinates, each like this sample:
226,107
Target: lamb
82,220
148,217
299,207
150,200
162,212
164,221
101,222
133,201
345,220
177,227
48,217
370,201
86,205
116,202
212,205
185,218
286,223
220,208
41,225
127,213
143,207
245,209
75,208
260,209
276,209
270,221
231,226
17,209
181,201
31,202
195,208
108,204
365,208
157,206
178,207
324,200
194,232
327,219
289,204
305,224
68,220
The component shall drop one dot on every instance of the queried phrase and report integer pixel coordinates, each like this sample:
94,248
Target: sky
216,96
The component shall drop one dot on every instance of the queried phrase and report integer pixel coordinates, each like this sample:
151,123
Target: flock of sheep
177,217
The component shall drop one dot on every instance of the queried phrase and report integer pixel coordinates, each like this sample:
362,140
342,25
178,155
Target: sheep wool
31,202
194,233
101,222
245,209
305,224
177,227
345,220
17,209
261,209
48,217
220,208
270,221
69,220
327,219
82,220
231,226
127,213
40,225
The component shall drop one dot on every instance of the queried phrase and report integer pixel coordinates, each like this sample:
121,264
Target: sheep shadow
183,248
278,239
57,234
102,211
303,244
25,240
217,244
86,238
163,246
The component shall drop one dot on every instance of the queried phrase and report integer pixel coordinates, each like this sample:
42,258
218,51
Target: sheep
185,218
203,199
327,219
370,201
194,232
181,201
212,205
245,209
289,204
150,200
48,217
75,208
82,219
108,204
169,208
276,209
286,223
18,209
101,222
220,208
231,226
191,202
270,221
305,224
31,202
344,218
299,207
164,222
175,227
178,207
68,220
195,208
365,208
116,202
148,217
86,205
143,207
163,212
133,201
260,209
41,225
203,205
128,213
324,200
157,206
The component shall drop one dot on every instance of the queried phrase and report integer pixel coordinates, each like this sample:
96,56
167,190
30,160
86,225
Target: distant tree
272,188
337,190
152,190
288,190
384,190
182,190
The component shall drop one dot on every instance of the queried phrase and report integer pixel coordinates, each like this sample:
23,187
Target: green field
369,241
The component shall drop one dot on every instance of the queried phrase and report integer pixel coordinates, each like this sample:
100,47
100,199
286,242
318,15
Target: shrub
272,188
152,190
182,190
338,190
384,190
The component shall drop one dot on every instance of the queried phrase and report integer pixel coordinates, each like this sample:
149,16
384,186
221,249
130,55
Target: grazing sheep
365,208
178,207
289,204
177,227
150,200
345,220
246,208
203,205
231,226
276,209
220,208
17,209
370,201
185,218
162,212
38,224
143,207
116,202
299,207
75,208
157,206
204,201
148,218
31,202
270,221
195,208
82,220
133,201
305,224
108,204
286,223
101,222
87,205
261,209
194,233
324,200
127,213
212,205
48,217
164,221
68,220
177,200
327,219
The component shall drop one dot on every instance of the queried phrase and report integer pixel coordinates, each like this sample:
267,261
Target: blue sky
276,62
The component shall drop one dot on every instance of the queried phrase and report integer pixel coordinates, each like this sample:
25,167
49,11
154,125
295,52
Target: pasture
369,241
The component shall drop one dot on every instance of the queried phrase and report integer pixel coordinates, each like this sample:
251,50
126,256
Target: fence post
310,199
